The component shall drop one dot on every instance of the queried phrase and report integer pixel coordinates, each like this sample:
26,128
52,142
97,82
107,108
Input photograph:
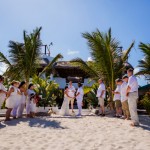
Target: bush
146,103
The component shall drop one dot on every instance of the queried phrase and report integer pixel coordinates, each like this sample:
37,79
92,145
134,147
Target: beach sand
70,133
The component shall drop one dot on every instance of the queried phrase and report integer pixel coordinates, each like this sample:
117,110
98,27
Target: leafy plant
49,90
146,103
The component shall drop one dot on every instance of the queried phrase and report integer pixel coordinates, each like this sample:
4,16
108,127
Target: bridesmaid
21,107
28,101
3,91
11,101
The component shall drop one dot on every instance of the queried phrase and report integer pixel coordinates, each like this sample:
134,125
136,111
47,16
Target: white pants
20,109
28,107
132,101
14,110
79,104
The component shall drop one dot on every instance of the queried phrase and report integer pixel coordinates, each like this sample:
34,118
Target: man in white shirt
101,92
132,94
124,98
71,94
3,91
117,98
79,97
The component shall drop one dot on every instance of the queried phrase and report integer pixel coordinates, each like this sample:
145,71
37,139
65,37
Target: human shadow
144,122
38,122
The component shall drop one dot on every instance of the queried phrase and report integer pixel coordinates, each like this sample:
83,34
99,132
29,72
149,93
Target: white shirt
117,96
71,91
100,89
80,96
2,95
133,84
123,91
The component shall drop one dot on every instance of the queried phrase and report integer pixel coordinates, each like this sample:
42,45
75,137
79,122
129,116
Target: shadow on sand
145,122
39,122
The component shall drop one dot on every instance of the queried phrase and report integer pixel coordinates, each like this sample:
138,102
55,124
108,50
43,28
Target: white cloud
72,52
89,59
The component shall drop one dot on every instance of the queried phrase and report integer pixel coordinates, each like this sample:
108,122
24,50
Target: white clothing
13,99
71,91
100,89
80,99
2,95
33,106
117,96
123,91
133,84
65,106
21,105
28,101
132,101
81,93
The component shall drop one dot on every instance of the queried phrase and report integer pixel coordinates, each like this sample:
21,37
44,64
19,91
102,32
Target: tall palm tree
108,58
144,64
25,57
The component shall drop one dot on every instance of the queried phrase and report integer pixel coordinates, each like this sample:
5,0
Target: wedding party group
18,97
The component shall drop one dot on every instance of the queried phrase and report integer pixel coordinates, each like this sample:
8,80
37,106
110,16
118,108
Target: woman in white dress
12,101
28,101
64,111
21,107
3,91
79,97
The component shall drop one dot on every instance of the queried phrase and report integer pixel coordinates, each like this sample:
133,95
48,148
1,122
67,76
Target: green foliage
144,64
146,103
48,89
90,95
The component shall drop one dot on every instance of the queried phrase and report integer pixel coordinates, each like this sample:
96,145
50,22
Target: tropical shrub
146,103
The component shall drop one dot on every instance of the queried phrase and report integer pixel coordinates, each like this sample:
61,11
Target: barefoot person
79,97
64,111
3,91
71,93
12,101
101,92
28,101
21,107
124,98
117,98
132,94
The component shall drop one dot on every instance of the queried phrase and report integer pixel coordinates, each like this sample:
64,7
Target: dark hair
79,84
31,84
1,78
118,80
125,76
32,96
130,70
21,84
66,87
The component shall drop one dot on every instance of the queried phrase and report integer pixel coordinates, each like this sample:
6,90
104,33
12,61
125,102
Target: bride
64,111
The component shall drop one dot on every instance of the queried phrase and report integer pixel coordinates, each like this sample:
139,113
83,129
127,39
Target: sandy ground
70,133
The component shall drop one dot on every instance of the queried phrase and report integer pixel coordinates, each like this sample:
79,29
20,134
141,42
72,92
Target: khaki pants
71,100
101,101
132,101
125,108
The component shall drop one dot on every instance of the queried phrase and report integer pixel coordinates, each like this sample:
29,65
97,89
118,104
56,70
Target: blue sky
63,21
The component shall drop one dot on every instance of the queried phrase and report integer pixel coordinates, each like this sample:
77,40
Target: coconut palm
108,58
144,64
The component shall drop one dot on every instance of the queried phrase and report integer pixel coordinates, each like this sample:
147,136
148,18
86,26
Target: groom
71,94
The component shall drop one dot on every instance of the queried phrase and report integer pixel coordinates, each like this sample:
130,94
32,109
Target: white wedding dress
64,111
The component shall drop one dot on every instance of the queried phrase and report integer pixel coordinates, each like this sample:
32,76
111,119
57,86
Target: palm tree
144,64
108,59
25,57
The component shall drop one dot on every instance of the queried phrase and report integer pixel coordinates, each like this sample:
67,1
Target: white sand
86,133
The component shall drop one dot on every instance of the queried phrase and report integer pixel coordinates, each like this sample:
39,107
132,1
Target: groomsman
101,92
132,93
117,98
124,98
71,94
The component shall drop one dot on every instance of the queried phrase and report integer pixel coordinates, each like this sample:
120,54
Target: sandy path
86,133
